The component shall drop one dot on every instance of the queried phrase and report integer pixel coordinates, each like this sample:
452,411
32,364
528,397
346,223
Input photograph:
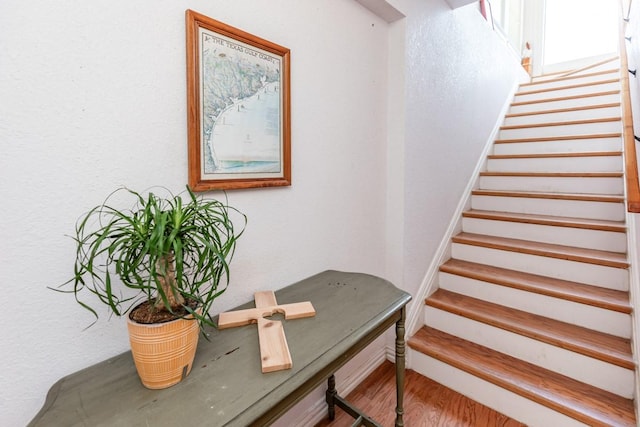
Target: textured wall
459,74
92,96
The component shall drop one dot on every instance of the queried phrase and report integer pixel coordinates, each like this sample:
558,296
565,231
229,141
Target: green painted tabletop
226,386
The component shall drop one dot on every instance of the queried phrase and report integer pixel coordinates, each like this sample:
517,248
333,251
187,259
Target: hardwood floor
426,404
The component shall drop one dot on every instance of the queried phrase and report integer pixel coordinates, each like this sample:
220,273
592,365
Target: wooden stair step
564,123
573,72
574,86
575,399
556,196
557,221
556,174
557,138
556,155
588,67
565,98
572,77
601,346
608,299
570,253
563,110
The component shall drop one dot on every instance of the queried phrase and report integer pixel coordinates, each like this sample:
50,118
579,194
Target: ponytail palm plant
172,254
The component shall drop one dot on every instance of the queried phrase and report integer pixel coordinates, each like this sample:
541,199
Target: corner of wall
395,174
383,9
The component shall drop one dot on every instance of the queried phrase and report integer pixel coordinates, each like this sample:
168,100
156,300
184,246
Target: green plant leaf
196,235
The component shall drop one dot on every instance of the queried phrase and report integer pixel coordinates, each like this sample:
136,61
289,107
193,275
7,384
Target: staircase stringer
428,285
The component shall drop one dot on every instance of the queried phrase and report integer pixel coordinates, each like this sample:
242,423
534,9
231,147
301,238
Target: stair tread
595,296
598,345
558,138
564,123
566,98
556,155
557,174
591,256
543,195
570,397
573,86
572,77
559,221
575,71
563,110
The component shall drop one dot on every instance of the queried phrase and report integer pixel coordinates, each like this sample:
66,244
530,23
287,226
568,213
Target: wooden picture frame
238,108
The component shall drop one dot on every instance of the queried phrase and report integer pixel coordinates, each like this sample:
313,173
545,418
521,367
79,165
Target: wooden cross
274,351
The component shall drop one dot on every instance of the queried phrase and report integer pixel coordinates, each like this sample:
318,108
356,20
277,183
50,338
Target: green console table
226,386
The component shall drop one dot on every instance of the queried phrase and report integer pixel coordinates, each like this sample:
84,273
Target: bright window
579,29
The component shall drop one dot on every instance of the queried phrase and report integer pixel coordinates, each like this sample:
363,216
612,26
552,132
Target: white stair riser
488,394
614,64
608,185
596,88
582,368
587,316
547,77
568,236
555,207
582,272
568,146
564,130
593,113
588,77
550,104
556,164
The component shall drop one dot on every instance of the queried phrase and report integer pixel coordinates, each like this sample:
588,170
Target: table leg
400,365
331,397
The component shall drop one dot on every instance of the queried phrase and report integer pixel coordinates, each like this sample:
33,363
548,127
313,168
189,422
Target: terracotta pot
163,352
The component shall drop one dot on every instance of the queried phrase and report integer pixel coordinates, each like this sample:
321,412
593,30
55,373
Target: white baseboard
390,351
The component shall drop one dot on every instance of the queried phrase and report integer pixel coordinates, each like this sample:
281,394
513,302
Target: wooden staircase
532,315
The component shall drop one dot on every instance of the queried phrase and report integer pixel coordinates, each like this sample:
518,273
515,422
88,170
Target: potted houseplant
172,256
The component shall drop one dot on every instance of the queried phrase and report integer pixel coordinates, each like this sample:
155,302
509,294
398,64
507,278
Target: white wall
458,75
92,96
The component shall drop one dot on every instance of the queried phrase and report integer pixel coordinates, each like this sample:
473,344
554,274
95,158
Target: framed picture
238,100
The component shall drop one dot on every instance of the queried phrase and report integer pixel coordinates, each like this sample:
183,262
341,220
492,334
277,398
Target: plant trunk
165,269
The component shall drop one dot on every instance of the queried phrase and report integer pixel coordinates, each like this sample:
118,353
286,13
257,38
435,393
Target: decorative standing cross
274,351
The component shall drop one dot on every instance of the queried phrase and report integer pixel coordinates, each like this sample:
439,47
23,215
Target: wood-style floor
426,404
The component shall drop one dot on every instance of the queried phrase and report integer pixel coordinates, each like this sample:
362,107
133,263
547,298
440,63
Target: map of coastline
241,108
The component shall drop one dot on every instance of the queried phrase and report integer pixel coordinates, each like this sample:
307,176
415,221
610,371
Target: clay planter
163,352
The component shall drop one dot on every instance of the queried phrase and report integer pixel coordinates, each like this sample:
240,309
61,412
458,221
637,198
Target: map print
241,125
